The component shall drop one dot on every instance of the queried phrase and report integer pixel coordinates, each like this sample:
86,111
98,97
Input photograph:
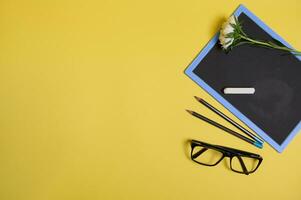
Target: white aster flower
232,34
226,36
226,42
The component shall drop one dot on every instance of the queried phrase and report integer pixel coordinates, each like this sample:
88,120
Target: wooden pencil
228,119
197,115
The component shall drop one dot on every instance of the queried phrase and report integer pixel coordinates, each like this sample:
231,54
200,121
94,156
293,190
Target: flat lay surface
93,99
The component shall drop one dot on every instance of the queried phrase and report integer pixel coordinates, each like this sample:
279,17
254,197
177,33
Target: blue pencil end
258,144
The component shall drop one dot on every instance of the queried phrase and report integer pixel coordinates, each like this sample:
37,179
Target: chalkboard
274,111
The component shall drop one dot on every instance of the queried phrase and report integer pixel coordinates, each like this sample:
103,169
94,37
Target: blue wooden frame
229,106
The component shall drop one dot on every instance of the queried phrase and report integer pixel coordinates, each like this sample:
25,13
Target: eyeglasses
210,155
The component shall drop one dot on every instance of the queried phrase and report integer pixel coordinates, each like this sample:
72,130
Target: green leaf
230,35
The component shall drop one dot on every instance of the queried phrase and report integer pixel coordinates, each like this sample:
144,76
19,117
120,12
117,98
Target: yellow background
93,99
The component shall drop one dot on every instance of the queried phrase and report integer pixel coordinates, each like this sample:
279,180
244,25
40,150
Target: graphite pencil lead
198,98
189,111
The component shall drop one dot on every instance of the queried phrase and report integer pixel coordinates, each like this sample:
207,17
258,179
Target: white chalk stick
231,90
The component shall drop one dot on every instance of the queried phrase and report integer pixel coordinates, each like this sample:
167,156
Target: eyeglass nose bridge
228,154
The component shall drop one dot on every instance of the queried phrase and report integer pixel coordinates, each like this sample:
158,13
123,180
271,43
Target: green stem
283,48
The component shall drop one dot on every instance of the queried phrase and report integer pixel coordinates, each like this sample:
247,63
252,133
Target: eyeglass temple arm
199,153
243,165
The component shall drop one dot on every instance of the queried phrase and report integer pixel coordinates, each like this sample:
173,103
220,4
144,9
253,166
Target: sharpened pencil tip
198,98
189,111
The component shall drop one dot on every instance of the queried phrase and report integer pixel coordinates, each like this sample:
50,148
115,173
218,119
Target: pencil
197,115
202,101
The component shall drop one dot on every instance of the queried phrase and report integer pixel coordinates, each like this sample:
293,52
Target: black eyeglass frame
227,152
